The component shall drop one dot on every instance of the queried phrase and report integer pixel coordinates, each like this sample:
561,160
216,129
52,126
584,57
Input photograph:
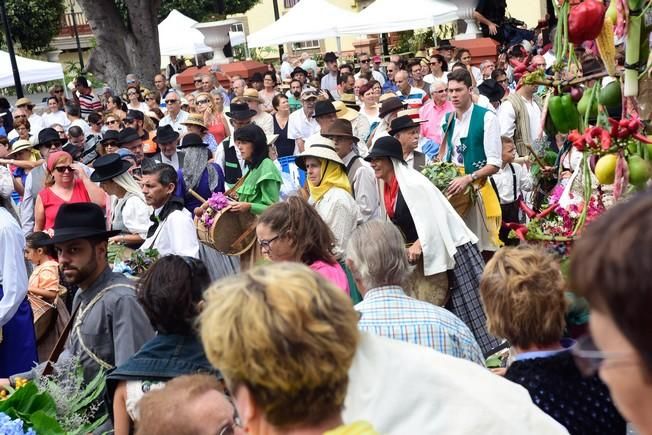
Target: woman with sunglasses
66,183
135,100
58,93
112,122
171,294
438,69
522,291
212,108
54,115
153,100
116,106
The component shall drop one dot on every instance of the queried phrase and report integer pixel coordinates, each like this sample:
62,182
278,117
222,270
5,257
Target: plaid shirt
389,312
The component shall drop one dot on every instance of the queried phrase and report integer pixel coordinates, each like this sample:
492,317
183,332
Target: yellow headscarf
332,175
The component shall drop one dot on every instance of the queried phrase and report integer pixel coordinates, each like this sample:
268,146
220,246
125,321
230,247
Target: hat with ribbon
165,135
134,114
345,112
192,140
403,122
24,102
340,128
108,167
349,101
79,220
324,108
195,119
320,147
20,145
298,70
110,135
240,111
386,146
389,105
251,94
330,57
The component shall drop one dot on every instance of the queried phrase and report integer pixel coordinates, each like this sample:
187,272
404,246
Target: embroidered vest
472,146
232,171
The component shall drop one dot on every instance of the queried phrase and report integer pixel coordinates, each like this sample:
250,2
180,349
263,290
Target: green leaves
35,408
205,10
34,22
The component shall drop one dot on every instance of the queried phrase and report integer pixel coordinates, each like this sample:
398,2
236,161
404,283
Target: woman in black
284,146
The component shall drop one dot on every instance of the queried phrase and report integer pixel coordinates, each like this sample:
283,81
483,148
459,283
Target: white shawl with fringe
440,229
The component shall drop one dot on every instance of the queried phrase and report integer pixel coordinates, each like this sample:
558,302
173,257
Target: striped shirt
389,312
415,99
88,104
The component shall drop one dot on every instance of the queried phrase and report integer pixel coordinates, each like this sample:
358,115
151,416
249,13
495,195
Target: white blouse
341,213
135,215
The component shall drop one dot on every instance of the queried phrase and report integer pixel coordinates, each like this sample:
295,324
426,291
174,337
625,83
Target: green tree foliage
206,10
34,22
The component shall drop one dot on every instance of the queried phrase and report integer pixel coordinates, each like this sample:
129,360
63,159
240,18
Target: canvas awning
177,37
31,70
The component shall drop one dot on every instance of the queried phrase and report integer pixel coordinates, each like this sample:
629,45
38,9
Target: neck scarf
332,175
172,205
390,195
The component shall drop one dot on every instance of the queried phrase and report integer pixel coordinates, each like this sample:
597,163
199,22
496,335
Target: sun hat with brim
340,128
390,105
240,111
192,140
401,123
251,94
108,167
195,119
319,147
386,146
324,108
110,135
344,112
349,101
307,94
20,145
80,220
412,113
127,135
24,102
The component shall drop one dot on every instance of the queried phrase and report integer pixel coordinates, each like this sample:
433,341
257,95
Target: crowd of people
385,302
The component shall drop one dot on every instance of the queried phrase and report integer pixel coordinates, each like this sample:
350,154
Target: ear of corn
606,46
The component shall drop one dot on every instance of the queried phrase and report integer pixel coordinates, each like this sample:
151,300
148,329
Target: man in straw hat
359,172
35,121
168,140
110,324
406,128
302,124
262,119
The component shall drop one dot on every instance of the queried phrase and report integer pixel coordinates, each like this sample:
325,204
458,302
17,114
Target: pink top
217,129
434,116
52,202
332,272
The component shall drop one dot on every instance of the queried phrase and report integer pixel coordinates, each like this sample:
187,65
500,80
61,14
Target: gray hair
377,251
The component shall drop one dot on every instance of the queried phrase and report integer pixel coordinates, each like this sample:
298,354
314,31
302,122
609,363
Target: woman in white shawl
129,212
439,243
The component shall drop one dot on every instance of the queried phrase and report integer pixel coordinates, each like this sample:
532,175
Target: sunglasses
197,81
59,91
111,122
131,94
202,101
171,101
20,116
364,61
62,169
111,144
149,99
129,121
441,91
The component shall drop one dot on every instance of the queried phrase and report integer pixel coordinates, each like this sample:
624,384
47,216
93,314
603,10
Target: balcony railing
66,27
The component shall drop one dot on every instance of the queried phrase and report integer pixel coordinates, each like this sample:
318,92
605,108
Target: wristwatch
473,176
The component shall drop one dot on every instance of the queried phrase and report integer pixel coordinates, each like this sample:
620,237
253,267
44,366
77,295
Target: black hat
402,123
390,105
135,114
79,220
330,57
166,135
108,167
298,70
386,146
127,135
48,135
324,108
192,140
445,44
256,77
240,111
110,135
491,89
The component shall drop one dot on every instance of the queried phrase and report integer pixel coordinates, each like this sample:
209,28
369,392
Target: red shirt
51,201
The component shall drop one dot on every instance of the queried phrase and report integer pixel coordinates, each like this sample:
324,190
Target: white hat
320,147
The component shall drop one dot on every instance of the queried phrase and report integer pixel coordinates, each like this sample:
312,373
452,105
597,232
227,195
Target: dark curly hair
170,292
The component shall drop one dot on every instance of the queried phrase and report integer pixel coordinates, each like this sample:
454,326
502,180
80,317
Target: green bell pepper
570,112
563,113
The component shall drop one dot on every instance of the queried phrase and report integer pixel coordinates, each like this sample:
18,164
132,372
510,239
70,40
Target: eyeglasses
62,169
202,101
229,429
589,359
131,82
171,101
111,122
441,91
111,144
197,80
59,91
149,99
131,94
267,244
20,116
129,121
364,60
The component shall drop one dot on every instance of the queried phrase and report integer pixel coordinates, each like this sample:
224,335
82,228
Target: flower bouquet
217,202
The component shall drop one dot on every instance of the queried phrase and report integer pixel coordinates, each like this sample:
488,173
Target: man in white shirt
301,124
262,119
173,230
365,68
329,81
175,116
167,140
520,118
286,68
35,121
309,64
73,112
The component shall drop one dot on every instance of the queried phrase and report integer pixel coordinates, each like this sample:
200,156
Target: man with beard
294,95
110,324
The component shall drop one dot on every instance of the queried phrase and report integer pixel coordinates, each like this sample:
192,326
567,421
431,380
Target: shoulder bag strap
513,180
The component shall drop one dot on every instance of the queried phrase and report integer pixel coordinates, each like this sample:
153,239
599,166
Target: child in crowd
510,182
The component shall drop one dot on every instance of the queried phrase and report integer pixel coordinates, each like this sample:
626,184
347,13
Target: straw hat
20,145
344,112
320,147
250,94
195,119
349,101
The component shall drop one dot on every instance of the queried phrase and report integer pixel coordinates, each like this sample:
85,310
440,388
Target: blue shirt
389,312
390,86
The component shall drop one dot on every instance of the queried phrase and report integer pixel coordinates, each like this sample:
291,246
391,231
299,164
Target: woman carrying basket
444,250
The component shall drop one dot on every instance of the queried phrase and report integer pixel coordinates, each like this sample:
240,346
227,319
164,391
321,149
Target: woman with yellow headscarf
330,190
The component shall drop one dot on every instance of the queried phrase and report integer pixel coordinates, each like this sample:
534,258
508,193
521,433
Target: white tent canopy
307,20
177,37
31,71
383,16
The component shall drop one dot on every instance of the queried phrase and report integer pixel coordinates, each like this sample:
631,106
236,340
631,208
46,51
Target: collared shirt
295,103
175,235
493,147
89,104
504,181
174,161
507,118
220,157
365,189
390,86
329,82
434,115
176,123
387,311
13,276
300,126
414,99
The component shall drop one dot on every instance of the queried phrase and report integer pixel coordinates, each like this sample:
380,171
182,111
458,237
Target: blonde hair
285,333
49,178
522,291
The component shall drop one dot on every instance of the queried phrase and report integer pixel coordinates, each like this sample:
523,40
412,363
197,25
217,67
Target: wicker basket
462,202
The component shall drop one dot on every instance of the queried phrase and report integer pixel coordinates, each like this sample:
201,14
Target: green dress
261,187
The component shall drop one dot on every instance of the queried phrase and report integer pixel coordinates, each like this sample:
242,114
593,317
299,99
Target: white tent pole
339,44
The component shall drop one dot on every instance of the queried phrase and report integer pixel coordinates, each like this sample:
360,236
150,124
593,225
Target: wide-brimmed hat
240,111
491,89
345,112
412,113
445,44
401,123
350,101
110,135
48,135
390,105
24,102
79,220
165,135
324,108
340,128
20,145
108,167
192,140
195,119
127,135
320,147
386,146
251,94
298,70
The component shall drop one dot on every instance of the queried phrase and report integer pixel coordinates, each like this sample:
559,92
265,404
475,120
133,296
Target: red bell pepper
585,21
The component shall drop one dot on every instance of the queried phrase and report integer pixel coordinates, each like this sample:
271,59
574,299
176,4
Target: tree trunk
122,49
